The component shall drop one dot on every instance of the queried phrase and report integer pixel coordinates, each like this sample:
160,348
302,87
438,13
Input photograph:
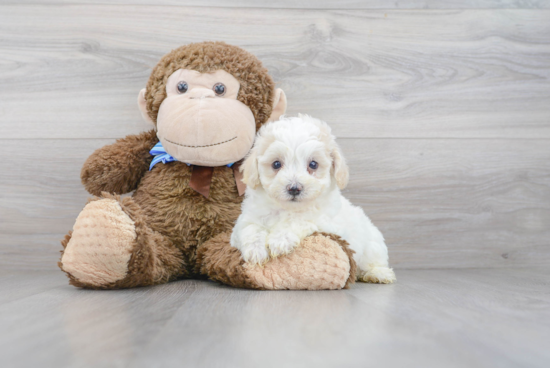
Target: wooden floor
430,318
443,112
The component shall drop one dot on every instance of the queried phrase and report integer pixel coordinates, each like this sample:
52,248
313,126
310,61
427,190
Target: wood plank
319,4
440,203
16,285
473,203
72,71
68,327
331,329
436,318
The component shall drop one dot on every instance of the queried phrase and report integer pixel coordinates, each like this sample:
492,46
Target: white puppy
294,174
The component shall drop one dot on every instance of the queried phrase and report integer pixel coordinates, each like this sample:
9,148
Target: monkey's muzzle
206,131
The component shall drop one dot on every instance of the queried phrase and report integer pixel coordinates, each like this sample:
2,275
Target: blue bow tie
162,156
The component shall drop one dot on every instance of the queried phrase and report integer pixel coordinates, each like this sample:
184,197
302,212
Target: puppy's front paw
255,251
282,243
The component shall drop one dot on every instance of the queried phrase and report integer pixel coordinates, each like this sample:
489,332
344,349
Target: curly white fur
274,220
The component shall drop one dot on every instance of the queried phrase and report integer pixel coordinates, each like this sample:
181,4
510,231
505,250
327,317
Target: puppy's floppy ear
249,168
341,171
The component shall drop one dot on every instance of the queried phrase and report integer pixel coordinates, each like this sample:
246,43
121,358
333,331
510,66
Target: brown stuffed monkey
206,102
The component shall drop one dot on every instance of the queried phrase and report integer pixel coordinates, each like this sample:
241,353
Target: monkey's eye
313,165
219,89
182,87
276,165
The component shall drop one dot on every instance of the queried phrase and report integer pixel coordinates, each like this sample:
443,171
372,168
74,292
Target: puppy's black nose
294,190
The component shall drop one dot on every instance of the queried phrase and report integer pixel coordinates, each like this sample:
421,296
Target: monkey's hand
119,167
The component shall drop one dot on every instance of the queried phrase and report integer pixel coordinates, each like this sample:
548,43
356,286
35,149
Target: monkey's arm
321,261
119,167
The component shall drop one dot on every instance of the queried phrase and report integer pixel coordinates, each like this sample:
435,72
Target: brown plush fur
223,263
257,87
119,167
181,214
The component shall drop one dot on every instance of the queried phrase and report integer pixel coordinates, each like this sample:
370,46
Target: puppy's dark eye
182,87
219,89
276,165
313,165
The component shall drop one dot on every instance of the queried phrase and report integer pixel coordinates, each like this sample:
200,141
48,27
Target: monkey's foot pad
318,263
101,244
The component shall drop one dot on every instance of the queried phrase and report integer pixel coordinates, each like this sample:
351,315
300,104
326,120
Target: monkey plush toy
206,101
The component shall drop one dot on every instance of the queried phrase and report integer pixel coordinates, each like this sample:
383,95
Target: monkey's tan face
201,122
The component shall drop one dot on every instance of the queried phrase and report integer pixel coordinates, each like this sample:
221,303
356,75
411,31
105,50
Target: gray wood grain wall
443,111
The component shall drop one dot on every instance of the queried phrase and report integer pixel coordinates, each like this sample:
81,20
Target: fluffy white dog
294,174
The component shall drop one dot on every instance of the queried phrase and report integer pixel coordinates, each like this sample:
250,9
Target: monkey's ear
279,105
143,107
